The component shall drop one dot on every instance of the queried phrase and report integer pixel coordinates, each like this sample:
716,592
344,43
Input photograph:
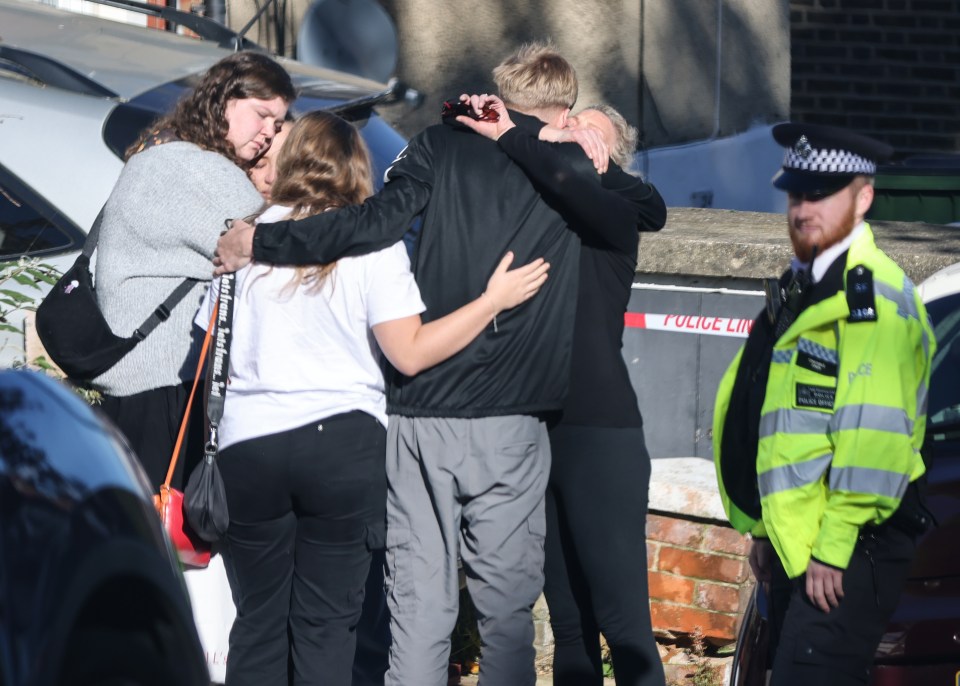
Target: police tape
689,323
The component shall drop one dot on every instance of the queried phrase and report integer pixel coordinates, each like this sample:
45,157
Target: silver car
76,90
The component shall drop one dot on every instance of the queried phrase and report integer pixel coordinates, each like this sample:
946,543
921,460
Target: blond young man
467,451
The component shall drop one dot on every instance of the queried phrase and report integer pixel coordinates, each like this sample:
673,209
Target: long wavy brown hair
324,164
200,116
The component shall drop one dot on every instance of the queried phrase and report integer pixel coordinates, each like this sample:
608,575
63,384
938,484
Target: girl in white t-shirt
303,431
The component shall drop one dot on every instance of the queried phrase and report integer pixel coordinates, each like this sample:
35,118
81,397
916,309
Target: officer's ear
864,199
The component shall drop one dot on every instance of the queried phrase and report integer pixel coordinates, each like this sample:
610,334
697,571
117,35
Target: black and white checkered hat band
828,162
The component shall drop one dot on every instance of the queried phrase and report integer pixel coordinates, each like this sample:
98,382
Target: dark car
90,590
922,642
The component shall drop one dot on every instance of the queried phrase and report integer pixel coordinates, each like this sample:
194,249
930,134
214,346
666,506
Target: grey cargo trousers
474,487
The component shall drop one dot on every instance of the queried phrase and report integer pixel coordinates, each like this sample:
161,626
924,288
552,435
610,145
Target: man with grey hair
467,450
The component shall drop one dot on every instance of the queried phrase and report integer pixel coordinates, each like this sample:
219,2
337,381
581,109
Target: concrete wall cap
685,486
754,245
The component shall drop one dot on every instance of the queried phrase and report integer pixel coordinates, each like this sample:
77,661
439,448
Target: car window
28,225
943,411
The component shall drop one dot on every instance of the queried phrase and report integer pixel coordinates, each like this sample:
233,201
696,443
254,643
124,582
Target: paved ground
541,681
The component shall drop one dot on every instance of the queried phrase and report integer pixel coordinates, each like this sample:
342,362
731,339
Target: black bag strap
162,313
90,244
219,362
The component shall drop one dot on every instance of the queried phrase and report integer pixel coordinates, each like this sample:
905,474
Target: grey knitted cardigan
161,225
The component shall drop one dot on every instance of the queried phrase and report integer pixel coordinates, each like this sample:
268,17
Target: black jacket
476,205
600,392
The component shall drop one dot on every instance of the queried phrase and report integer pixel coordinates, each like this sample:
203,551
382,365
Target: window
30,226
944,407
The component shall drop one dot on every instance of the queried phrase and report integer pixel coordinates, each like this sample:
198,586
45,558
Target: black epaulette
860,295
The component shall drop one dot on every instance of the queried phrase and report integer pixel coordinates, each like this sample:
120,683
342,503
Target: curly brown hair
200,116
323,164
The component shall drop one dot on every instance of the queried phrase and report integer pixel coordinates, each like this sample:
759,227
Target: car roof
51,127
941,284
129,60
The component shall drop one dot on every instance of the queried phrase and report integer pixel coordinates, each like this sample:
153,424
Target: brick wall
698,576
887,68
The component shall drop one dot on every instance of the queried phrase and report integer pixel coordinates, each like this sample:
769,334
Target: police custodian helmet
820,160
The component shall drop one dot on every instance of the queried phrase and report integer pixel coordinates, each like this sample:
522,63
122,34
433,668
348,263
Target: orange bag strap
186,413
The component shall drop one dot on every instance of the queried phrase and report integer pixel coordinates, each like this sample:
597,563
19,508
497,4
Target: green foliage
32,275
704,675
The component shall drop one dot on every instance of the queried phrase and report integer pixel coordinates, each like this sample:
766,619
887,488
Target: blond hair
623,148
324,164
536,77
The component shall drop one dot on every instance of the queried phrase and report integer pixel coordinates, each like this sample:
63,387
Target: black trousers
307,507
596,556
150,422
810,646
373,632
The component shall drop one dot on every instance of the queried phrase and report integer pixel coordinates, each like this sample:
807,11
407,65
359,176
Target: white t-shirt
299,356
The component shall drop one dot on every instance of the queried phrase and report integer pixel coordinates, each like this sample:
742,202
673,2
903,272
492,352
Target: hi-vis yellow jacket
838,446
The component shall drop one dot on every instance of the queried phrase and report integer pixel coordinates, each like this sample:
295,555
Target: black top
476,205
600,391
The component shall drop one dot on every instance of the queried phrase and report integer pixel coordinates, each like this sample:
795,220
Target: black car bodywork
90,589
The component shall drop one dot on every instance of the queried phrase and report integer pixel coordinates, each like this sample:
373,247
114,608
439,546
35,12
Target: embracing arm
612,207
412,346
379,222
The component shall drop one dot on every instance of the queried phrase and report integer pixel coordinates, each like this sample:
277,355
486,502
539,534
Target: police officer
820,419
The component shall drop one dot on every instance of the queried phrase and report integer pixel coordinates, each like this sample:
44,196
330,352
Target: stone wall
887,68
698,577
680,70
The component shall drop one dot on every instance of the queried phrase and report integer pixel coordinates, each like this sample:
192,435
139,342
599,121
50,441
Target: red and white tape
689,323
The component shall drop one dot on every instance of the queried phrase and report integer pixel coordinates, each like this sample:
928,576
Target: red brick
675,531
675,589
721,539
652,550
718,598
677,618
701,565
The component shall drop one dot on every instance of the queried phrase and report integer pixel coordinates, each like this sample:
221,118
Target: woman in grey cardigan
160,226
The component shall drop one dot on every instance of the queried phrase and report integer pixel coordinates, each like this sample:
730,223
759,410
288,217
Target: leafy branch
29,273
21,289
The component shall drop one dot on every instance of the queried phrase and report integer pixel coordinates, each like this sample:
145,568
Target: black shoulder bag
72,328
204,498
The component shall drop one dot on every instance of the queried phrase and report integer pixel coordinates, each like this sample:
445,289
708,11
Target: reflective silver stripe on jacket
867,480
902,298
906,305
922,398
793,475
787,421
877,417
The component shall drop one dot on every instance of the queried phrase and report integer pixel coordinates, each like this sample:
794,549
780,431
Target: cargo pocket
533,551
832,659
401,589
376,536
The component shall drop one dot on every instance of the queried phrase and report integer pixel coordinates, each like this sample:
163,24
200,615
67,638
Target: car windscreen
943,411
